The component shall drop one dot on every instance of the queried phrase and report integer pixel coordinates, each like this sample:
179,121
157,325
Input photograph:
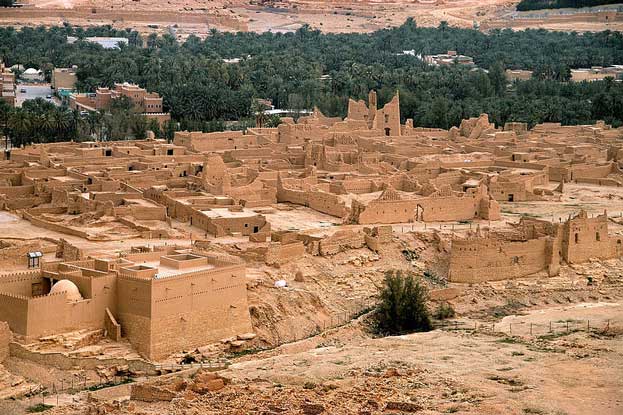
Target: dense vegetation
307,68
525,5
402,305
40,121
6,3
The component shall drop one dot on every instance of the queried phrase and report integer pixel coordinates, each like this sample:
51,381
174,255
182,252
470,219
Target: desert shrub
444,311
188,359
410,254
402,305
40,407
432,277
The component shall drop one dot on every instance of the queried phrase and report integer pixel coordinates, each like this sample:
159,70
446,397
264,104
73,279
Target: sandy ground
444,371
287,16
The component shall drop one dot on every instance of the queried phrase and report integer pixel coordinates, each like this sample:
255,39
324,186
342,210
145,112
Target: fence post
550,326
608,322
531,329
510,328
588,325
567,327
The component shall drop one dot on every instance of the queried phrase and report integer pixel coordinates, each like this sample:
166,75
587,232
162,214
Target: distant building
105,42
597,73
518,75
64,78
146,103
7,85
449,58
32,75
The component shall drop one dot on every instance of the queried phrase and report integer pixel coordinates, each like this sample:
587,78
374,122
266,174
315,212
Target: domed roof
68,287
31,71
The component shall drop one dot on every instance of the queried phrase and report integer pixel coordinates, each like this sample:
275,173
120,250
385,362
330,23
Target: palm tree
48,123
63,120
20,123
5,115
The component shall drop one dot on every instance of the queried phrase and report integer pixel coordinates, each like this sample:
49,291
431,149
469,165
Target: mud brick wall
479,259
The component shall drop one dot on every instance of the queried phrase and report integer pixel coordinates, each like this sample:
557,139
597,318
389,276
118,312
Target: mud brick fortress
534,246
145,103
270,196
162,301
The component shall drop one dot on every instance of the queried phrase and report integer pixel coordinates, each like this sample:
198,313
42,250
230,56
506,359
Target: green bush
40,407
443,311
402,306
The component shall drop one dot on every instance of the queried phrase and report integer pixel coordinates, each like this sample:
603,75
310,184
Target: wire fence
211,364
52,393
541,329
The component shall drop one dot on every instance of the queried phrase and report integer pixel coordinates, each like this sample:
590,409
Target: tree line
308,68
525,5
40,121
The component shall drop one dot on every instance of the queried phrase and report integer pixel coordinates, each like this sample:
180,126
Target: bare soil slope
199,16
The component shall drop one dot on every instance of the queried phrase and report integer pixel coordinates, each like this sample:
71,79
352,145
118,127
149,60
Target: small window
169,152
577,238
597,237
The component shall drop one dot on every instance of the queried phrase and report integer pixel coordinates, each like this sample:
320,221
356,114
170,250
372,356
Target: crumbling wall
280,253
341,241
585,238
476,260
69,252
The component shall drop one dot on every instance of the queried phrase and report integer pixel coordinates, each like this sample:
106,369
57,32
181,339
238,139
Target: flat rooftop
164,271
226,213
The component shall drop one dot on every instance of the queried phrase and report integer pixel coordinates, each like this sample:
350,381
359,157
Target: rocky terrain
515,347
199,16
445,371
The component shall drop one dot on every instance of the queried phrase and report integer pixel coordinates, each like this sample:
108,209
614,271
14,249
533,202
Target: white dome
69,288
31,71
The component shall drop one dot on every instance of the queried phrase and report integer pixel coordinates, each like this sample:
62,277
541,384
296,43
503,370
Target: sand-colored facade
535,246
146,103
162,301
